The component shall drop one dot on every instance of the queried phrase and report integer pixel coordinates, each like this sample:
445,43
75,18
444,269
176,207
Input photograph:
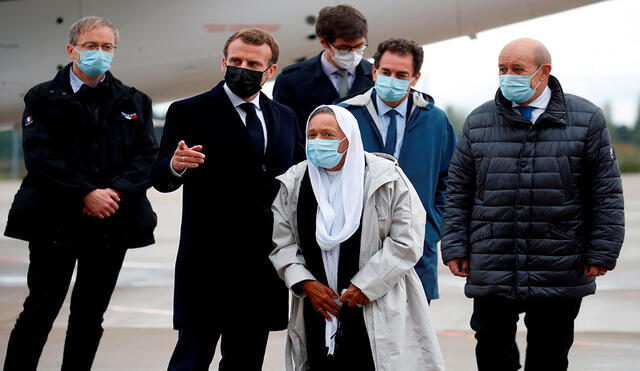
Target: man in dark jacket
339,71
88,147
534,211
406,124
225,285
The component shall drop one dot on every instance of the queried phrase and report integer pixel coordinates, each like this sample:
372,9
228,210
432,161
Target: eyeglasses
346,49
109,48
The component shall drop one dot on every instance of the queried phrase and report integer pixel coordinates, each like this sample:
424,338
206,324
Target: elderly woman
348,230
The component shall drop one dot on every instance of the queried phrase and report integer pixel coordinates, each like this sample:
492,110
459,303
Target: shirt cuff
175,173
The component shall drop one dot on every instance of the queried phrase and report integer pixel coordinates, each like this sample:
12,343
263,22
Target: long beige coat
398,320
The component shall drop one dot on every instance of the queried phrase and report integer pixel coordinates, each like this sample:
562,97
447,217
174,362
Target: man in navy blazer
226,146
337,72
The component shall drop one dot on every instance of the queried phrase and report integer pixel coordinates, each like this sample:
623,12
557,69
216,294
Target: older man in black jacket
534,211
88,147
239,141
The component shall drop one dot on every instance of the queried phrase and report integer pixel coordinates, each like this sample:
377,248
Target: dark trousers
48,279
549,324
242,347
352,349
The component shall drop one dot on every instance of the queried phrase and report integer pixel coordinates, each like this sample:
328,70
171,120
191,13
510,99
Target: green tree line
626,139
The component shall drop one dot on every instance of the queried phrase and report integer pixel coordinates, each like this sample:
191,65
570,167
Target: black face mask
243,82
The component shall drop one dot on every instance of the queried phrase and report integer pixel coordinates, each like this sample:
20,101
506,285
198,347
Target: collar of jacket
315,64
380,170
556,111
60,88
421,100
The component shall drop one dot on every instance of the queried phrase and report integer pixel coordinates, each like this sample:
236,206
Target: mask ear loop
539,68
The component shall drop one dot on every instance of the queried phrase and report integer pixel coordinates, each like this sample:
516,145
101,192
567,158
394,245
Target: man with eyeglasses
88,147
337,72
408,126
226,146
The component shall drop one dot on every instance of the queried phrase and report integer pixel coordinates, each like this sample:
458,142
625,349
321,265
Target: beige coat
398,320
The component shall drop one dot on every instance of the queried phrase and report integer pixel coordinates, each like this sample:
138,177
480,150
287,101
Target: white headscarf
340,197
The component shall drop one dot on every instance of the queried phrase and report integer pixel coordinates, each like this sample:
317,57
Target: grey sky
595,51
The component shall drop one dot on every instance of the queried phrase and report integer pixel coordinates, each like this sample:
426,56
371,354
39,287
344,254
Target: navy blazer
304,86
227,221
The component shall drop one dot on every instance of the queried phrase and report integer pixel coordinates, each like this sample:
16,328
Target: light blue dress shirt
330,70
75,81
385,120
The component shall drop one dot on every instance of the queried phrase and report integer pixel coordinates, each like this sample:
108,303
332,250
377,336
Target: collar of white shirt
541,102
383,108
329,69
237,101
75,81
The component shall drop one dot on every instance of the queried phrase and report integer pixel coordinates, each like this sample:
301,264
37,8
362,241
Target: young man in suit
225,286
337,72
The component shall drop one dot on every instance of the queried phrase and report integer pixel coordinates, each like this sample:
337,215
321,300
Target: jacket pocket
560,232
384,220
480,233
564,168
482,169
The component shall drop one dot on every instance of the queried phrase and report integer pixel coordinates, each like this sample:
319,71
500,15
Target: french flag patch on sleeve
28,120
129,116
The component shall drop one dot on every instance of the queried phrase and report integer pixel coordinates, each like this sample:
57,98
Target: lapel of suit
362,80
272,122
227,116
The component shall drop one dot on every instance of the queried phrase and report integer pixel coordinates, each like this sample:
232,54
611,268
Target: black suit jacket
304,86
222,269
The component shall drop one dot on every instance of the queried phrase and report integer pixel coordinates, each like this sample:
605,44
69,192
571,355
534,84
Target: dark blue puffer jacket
530,204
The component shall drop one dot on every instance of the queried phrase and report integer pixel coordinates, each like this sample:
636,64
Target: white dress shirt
331,71
539,104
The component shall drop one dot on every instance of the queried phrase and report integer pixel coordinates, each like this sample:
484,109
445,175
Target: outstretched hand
187,158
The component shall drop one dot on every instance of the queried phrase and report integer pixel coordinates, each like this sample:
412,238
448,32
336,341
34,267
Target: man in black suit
337,72
225,286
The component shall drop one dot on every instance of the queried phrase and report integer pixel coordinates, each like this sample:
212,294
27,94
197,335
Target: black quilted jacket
530,205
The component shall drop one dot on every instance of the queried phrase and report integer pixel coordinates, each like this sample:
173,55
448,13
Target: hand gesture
187,158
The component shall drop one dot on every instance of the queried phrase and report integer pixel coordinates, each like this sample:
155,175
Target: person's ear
70,51
324,43
415,79
223,65
344,145
271,71
374,71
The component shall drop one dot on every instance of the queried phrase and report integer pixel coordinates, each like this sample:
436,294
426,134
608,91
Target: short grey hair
89,23
542,55
321,109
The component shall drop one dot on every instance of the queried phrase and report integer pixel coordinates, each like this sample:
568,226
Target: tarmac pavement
138,334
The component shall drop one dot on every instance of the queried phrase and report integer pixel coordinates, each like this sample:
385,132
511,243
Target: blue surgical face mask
518,88
324,152
94,62
391,89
